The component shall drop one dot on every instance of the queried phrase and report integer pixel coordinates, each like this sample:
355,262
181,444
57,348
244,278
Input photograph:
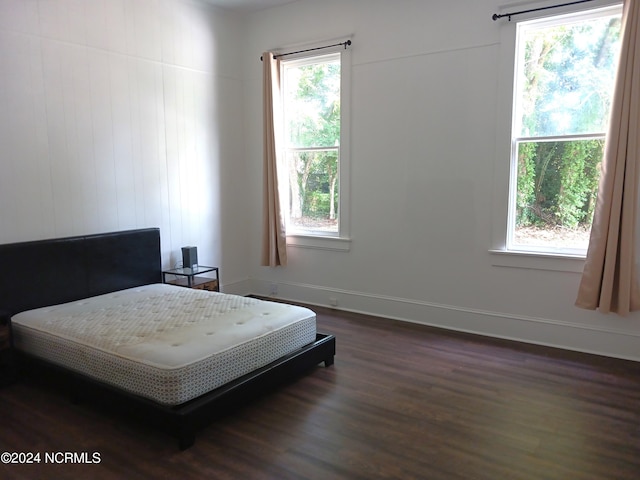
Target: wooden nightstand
189,277
7,367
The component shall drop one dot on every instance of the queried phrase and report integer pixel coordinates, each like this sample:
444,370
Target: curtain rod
346,44
497,16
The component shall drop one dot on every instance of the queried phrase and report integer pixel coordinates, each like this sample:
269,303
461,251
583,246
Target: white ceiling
247,5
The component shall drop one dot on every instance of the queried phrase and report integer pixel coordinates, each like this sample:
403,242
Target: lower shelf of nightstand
201,283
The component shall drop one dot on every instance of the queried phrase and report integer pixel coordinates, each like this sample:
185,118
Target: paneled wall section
110,119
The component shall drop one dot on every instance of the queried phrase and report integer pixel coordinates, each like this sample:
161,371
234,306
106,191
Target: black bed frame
49,272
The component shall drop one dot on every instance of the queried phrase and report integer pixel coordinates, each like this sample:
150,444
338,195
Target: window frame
319,239
505,174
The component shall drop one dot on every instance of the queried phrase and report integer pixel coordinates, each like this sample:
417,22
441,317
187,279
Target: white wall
424,127
119,114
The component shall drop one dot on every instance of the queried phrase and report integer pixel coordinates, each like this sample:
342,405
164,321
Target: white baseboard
540,331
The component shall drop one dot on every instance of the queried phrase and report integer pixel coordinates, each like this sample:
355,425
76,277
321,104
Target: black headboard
47,272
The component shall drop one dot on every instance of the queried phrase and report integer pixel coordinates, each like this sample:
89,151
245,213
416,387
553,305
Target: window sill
537,261
319,242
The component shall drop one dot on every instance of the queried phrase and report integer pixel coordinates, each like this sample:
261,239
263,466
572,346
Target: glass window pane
312,100
557,184
313,184
565,76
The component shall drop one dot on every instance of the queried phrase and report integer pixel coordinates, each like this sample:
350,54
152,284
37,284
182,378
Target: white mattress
167,343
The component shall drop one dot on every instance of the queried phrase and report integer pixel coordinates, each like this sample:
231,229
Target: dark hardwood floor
402,401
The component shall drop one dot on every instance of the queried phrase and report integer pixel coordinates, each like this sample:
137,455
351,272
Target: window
564,75
313,92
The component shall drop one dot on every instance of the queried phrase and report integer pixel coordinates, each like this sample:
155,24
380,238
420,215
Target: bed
91,312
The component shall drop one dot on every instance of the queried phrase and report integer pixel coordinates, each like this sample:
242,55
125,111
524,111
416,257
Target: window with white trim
315,110
563,84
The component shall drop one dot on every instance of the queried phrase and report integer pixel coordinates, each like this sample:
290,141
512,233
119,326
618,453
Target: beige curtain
274,241
610,277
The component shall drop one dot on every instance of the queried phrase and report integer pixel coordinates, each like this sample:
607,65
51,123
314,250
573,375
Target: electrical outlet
333,301
273,288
